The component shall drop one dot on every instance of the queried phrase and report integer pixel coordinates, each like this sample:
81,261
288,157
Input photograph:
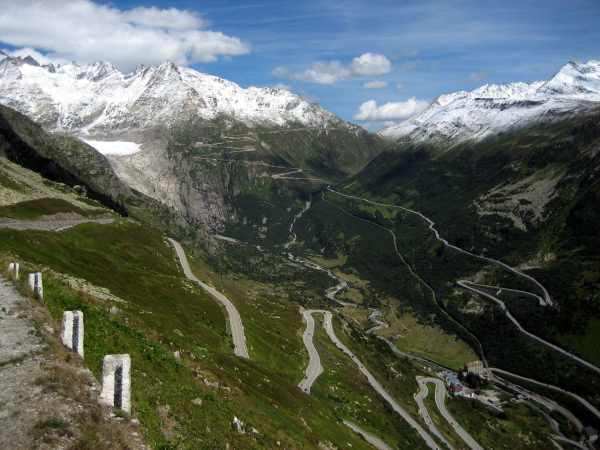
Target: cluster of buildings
456,383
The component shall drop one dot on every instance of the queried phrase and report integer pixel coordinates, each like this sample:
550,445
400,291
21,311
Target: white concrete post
38,287
116,382
34,282
13,270
31,282
72,331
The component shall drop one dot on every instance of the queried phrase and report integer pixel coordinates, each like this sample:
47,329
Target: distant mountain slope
493,109
97,97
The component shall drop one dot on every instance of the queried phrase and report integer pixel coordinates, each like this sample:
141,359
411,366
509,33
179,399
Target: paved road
370,438
440,401
548,404
376,385
235,321
570,442
545,300
424,413
472,287
314,368
591,408
419,279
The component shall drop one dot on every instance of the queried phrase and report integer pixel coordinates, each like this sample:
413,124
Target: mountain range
493,108
96,98
288,211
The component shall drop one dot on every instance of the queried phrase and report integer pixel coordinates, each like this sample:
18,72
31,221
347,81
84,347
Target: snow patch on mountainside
114,147
98,98
492,109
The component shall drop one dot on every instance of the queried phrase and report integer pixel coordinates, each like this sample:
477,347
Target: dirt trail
55,222
21,359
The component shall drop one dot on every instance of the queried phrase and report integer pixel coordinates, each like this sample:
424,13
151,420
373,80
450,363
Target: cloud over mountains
371,111
330,72
86,31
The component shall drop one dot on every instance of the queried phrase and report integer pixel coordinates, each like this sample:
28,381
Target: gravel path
59,222
235,320
21,362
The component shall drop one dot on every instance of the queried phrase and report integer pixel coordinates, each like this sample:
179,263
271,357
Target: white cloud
330,72
371,64
375,85
85,31
172,18
327,72
390,111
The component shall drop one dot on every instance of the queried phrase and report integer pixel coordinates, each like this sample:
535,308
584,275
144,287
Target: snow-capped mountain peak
99,98
494,108
574,79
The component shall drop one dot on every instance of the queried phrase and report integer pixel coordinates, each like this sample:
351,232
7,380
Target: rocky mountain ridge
493,109
99,98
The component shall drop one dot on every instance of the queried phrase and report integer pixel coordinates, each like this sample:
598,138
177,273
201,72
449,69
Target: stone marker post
116,382
13,270
34,281
72,331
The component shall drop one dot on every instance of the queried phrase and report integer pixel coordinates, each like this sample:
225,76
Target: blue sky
433,46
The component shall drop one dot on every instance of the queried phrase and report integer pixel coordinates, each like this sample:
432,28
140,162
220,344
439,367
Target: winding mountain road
545,300
424,412
235,321
314,368
591,408
471,287
440,401
327,323
370,438
420,279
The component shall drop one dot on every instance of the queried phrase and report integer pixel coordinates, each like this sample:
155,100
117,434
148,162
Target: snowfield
114,147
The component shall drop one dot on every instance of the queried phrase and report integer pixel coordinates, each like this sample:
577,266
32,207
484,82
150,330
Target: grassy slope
34,209
165,313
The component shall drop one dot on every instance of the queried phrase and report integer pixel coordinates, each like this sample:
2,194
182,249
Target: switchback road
327,322
440,401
